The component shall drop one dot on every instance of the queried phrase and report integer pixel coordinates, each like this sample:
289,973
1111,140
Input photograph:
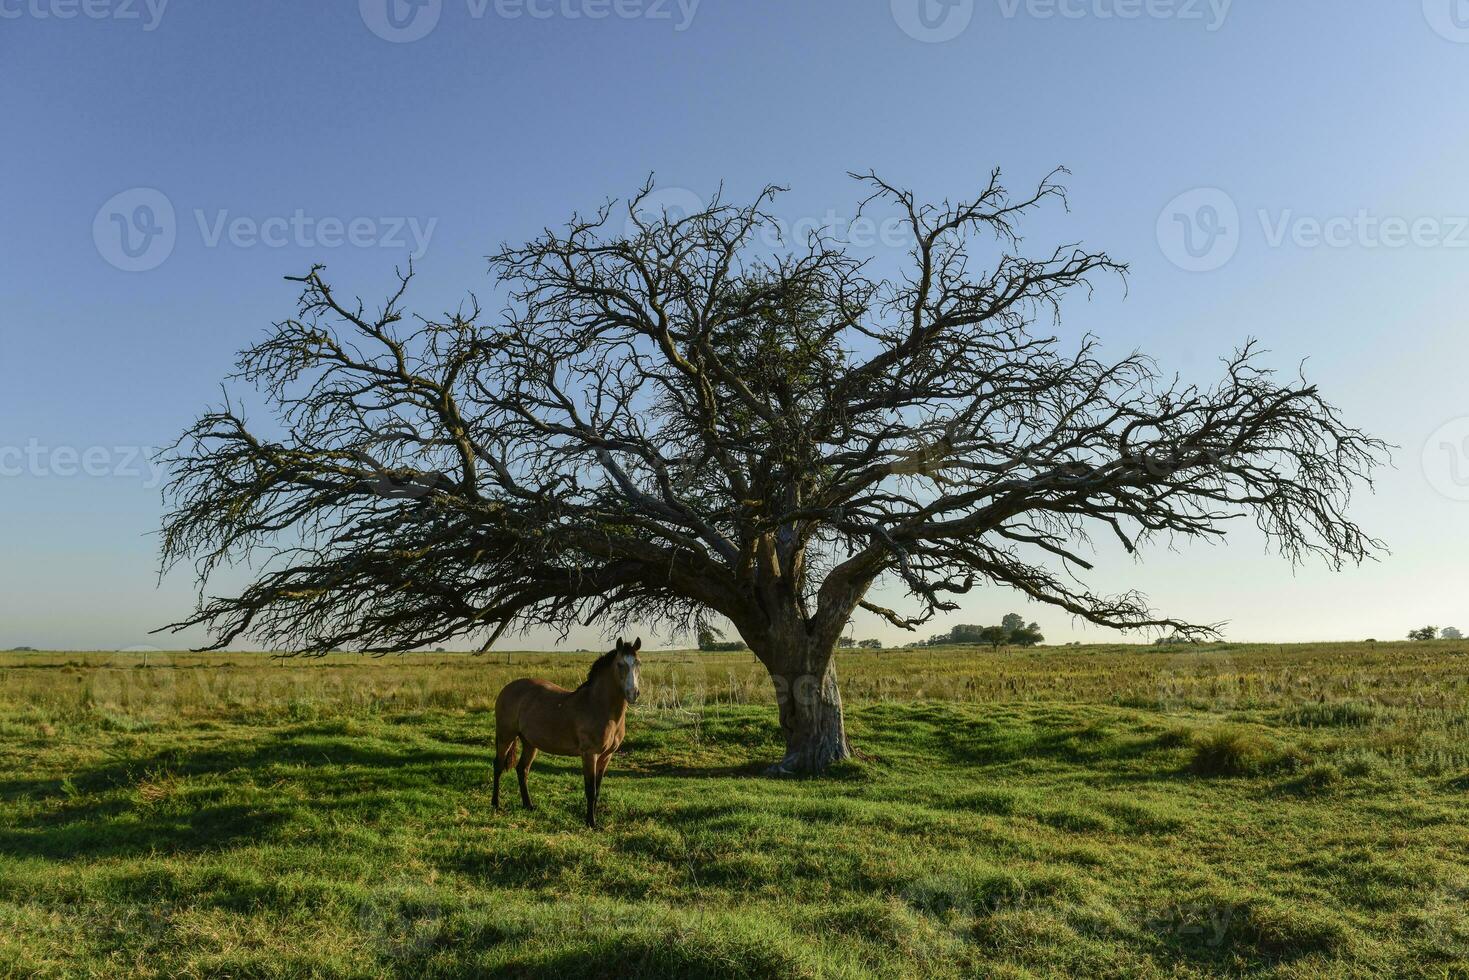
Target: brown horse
588,722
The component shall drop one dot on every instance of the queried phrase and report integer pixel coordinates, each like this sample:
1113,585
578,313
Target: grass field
1294,811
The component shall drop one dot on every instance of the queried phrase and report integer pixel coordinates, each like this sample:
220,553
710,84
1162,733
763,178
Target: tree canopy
667,422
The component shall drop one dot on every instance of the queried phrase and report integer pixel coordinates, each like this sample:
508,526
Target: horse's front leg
589,766
602,761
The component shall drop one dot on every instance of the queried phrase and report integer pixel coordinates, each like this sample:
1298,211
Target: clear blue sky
504,116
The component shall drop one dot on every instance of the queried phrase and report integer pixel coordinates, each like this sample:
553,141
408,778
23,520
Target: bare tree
673,421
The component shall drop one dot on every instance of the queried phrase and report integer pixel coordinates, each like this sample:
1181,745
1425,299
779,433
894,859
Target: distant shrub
1241,752
887,922
1321,777
1174,738
1276,929
1362,764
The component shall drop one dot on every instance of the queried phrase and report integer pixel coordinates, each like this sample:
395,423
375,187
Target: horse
589,722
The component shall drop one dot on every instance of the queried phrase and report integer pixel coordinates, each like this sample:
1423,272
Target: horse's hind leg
527,756
504,759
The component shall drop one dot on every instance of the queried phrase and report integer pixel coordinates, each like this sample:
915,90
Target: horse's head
629,668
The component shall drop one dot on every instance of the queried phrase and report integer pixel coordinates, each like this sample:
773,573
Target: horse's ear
620,644
637,644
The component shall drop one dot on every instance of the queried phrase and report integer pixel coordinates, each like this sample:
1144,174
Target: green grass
1290,811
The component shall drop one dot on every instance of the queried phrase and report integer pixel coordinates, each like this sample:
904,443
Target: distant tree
966,634
1450,633
710,642
869,644
1012,629
1423,633
663,421
995,636
1027,636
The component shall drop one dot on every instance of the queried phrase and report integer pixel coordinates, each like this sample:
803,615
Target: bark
810,717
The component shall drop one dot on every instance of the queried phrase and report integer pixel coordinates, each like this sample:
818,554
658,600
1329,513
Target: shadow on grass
301,749
525,867
105,830
190,798
638,957
965,741
678,956
196,805
744,771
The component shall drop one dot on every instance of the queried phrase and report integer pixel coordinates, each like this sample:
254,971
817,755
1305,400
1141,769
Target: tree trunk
811,718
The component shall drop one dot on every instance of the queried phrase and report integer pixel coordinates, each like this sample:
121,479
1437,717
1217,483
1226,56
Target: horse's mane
601,664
